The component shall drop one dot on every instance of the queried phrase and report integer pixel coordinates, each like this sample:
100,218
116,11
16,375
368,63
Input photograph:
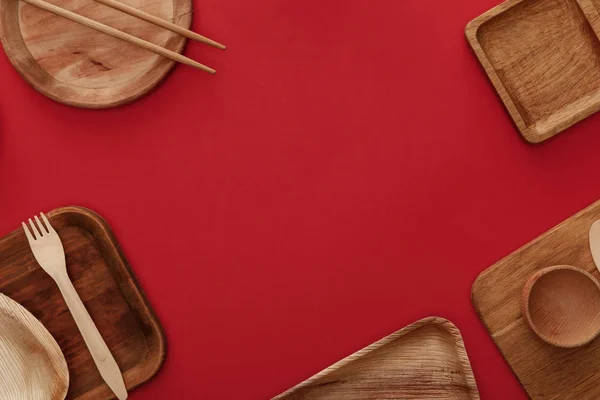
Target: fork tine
34,231
40,226
48,226
27,233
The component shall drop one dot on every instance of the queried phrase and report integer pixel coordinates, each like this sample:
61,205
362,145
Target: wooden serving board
542,57
82,67
425,360
109,291
545,371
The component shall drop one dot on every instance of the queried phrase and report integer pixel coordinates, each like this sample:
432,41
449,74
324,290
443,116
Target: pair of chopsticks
130,38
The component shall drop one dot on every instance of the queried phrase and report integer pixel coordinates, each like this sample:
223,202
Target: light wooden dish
562,306
425,360
542,57
545,371
109,291
79,66
32,365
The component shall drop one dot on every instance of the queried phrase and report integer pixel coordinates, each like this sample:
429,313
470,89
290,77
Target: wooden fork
49,253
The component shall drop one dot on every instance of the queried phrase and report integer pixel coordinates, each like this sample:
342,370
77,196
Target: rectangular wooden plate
542,57
425,360
109,291
545,371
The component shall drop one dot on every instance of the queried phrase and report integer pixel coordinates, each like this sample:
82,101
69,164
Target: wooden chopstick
161,51
160,22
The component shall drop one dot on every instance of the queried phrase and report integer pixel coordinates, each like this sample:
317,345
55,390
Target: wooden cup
561,304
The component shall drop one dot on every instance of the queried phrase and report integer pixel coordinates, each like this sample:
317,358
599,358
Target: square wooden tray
543,58
109,291
545,371
425,360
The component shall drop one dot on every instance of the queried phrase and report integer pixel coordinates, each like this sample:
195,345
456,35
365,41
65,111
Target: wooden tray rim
471,34
526,246
168,67
530,134
488,270
443,323
125,268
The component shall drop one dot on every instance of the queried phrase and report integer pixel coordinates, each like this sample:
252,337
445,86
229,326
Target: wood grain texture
425,360
542,57
109,291
156,49
48,251
561,304
32,366
82,67
545,371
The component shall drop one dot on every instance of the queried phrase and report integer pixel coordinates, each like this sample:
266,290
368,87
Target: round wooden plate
79,66
32,365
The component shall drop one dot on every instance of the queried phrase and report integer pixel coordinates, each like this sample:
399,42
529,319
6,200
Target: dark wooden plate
107,287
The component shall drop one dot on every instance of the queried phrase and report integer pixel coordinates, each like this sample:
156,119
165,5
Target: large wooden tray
425,360
542,57
79,66
109,291
545,371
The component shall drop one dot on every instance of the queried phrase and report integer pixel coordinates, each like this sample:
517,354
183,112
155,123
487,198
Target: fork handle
105,362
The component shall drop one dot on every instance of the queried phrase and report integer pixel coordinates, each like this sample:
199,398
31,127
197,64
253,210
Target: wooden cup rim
525,304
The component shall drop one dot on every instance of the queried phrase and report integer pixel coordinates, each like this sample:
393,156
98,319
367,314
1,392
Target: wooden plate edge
447,325
170,65
475,289
158,331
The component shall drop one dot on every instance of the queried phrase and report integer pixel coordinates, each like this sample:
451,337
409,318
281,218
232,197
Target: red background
348,171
